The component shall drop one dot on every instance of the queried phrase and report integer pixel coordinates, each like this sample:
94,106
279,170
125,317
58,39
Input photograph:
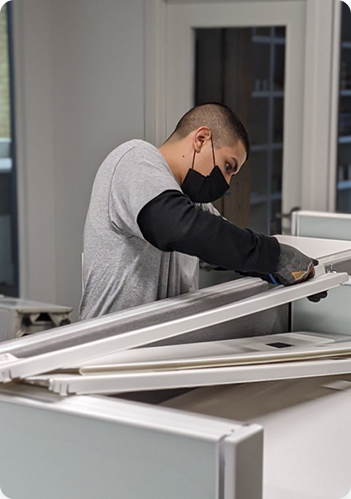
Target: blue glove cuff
271,276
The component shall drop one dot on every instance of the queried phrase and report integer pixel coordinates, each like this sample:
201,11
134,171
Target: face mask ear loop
193,163
213,154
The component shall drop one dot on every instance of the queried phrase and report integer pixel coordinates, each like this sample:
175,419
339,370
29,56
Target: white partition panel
321,225
89,448
332,315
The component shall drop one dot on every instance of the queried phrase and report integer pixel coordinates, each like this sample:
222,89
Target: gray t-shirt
120,268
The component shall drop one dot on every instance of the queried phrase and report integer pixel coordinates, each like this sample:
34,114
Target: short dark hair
226,126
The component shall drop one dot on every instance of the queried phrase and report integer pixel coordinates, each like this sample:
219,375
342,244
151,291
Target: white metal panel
63,334
195,351
333,314
258,350
322,225
65,357
65,384
87,447
243,481
319,248
119,411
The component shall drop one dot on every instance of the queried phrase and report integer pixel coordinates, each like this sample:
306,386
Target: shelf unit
257,199
278,40
268,93
267,143
344,184
245,69
343,181
344,139
5,165
278,146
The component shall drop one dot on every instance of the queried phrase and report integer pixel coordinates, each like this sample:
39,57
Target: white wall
79,94
81,83
35,148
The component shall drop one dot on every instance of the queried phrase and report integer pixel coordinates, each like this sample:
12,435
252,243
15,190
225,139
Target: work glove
318,297
295,267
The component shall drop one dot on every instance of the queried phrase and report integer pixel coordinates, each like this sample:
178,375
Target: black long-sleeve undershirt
171,222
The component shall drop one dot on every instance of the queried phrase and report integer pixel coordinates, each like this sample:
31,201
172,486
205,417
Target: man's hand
318,297
293,266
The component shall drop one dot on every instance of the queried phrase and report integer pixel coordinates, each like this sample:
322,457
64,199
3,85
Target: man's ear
202,135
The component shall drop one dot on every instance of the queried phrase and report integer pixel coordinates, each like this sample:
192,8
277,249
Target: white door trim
155,58
320,105
318,160
182,18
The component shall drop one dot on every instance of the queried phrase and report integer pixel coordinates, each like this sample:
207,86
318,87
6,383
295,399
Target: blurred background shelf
257,199
343,184
344,139
268,93
268,39
5,165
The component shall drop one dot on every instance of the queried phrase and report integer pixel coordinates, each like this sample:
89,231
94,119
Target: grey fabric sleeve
140,176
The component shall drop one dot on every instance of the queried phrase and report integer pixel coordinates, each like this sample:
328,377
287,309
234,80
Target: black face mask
201,189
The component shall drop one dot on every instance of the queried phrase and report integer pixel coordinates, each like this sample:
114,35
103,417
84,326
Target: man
149,222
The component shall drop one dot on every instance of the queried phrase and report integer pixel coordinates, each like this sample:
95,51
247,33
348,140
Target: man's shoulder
140,163
134,153
140,156
135,145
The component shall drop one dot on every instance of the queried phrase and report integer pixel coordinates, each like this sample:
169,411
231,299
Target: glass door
244,68
250,56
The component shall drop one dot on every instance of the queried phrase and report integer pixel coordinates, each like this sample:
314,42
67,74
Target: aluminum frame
64,384
37,364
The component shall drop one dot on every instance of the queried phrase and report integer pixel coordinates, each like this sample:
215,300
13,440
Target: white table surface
316,248
307,429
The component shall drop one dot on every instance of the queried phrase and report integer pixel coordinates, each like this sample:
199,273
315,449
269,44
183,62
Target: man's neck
174,157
